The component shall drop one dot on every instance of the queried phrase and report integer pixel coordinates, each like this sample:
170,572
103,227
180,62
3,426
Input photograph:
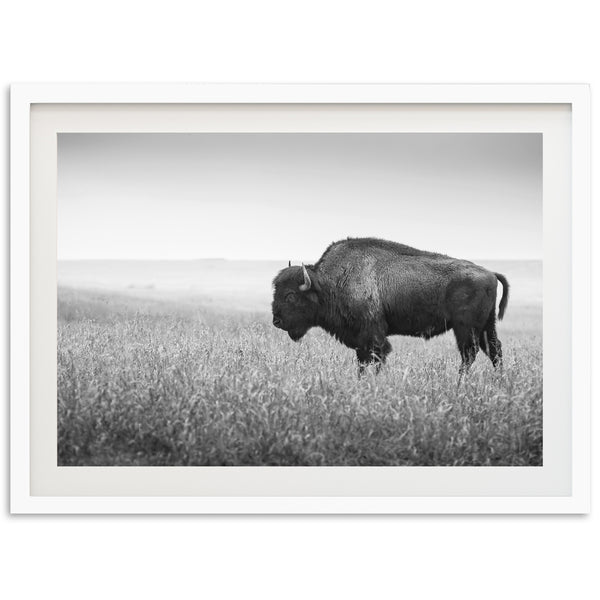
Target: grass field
144,380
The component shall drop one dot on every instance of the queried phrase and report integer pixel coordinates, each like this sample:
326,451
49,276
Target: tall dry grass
146,382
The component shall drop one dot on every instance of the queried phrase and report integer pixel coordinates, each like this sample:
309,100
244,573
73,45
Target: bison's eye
290,297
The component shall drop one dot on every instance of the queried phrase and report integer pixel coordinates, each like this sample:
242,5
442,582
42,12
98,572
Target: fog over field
238,284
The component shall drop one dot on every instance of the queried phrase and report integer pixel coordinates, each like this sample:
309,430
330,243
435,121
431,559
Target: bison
364,289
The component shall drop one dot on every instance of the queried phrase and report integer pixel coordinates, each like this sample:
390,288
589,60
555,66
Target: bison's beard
296,335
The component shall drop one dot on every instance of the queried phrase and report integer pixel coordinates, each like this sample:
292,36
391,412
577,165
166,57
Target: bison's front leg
365,357
373,354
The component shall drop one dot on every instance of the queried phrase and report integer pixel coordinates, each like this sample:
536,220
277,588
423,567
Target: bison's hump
373,247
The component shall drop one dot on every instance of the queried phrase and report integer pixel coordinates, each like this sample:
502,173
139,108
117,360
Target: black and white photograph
300,299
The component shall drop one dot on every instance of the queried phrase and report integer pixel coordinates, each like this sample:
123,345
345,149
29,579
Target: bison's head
295,300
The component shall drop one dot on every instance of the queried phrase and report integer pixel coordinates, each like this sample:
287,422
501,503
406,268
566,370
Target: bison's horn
306,285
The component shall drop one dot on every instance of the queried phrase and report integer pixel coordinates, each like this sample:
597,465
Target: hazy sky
287,196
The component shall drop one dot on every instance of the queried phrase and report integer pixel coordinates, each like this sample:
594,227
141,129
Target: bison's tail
504,300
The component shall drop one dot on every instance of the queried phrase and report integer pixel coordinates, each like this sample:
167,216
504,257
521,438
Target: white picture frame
122,107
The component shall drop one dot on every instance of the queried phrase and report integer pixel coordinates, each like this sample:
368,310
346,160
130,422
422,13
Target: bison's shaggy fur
365,289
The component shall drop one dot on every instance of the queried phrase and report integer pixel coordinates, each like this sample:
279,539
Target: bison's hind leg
375,353
467,342
489,342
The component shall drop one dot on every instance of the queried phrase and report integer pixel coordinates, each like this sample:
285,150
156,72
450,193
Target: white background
273,557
